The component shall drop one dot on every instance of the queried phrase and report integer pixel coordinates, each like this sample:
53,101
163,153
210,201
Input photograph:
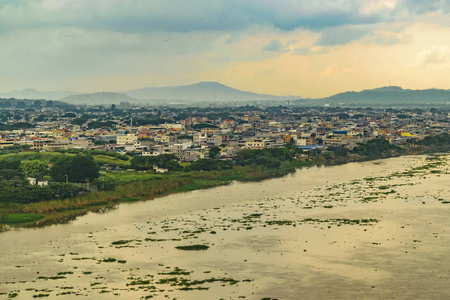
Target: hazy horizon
125,92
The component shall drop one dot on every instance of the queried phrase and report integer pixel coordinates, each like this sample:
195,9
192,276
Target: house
160,170
34,181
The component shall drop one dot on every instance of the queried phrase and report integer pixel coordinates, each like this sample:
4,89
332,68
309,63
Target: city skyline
282,48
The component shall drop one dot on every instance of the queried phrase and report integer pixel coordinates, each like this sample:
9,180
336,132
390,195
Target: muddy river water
372,230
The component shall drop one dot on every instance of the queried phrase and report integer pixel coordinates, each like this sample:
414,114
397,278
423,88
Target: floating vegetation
176,271
121,242
342,221
64,273
193,247
280,222
52,277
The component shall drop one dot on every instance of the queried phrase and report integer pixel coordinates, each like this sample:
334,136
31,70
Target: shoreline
69,209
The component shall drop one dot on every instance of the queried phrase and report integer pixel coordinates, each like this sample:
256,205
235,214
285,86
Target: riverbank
48,212
54,211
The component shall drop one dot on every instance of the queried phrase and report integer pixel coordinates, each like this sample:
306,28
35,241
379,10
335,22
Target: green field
121,177
52,157
21,218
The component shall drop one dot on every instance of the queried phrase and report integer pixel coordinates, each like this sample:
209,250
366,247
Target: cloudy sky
283,47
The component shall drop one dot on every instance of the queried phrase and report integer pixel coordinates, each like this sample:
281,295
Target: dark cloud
424,6
137,16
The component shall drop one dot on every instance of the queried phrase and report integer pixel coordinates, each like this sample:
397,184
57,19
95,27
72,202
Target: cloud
383,39
377,6
342,35
423,7
277,46
434,55
310,50
137,16
140,16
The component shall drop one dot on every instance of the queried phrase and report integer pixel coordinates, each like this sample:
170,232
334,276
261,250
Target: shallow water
321,233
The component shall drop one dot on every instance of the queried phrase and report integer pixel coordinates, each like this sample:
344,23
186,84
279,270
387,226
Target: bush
65,190
210,165
78,168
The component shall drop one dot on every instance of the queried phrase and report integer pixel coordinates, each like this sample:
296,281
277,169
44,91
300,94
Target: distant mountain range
389,95
202,91
215,92
103,98
35,94
199,92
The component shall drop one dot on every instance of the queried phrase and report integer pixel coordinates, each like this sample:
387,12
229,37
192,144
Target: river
367,230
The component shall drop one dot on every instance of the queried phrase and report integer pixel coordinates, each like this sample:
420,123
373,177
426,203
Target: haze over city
302,48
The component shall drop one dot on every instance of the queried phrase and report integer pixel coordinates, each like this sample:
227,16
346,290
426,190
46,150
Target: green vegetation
210,165
439,141
267,157
193,247
77,168
17,196
21,218
34,168
376,148
121,242
165,161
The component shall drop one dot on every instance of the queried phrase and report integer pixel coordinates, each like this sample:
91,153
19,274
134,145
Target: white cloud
377,6
434,55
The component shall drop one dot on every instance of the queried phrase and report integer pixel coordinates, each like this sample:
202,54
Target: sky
284,47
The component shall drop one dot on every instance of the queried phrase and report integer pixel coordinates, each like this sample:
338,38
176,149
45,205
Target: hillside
103,98
35,94
202,91
390,95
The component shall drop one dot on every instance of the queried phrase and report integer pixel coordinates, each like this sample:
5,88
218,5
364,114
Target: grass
22,218
104,159
52,157
122,177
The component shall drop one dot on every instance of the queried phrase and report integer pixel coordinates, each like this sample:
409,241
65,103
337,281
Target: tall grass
142,189
149,188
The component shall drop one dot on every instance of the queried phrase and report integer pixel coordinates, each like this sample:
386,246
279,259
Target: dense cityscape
189,133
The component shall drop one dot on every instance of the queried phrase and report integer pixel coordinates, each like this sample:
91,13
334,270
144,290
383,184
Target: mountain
103,98
200,92
389,95
35,94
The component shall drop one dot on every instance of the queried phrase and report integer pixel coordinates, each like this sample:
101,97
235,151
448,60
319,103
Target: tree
9,174
21,104
210,164
34,168
213,152
338,151
69,115
77,168
165,161
65,190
